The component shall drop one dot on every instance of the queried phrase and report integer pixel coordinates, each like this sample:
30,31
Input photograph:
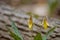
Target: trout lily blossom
45,23
30,23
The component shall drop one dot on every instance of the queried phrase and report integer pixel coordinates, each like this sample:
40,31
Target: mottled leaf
44,37
15,29
50,31
38,37
16,37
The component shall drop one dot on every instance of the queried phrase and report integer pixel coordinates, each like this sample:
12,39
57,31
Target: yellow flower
45,23
30,23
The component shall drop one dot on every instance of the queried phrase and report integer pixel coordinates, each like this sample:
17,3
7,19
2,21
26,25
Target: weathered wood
21,19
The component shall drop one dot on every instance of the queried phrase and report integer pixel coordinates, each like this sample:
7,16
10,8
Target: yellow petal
45,23
30,23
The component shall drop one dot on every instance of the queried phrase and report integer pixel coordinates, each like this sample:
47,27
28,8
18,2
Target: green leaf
50,31
38,37
15,29
44,37
14,35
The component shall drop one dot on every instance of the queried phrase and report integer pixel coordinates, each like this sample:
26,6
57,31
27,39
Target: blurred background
20,10
39,7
